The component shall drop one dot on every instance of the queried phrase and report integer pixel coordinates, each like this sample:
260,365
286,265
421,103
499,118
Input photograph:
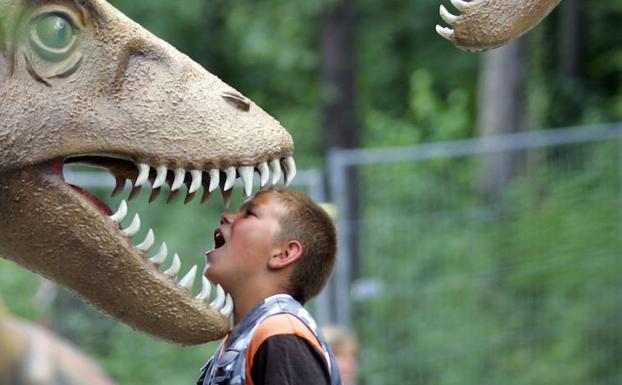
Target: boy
272,255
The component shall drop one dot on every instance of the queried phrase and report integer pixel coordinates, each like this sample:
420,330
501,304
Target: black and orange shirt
277,343
284,351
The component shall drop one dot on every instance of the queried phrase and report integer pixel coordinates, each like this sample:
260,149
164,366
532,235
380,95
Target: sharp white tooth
180,174
228,308
206,288
143,174
160,257
119,216
214,179
188,280
197,177
246,172
175,266
445,32
448,17
220,298
230,178
264,173
160,176
290,170
460,5
276,171
148,242
133,228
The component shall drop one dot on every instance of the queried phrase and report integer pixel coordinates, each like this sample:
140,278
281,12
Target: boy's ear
290,253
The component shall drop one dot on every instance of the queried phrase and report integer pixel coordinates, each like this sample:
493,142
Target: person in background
345,347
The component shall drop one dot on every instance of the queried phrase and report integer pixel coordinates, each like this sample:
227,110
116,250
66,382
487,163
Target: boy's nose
226,218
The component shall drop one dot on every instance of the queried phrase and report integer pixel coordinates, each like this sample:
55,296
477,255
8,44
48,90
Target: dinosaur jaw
67,235
481,25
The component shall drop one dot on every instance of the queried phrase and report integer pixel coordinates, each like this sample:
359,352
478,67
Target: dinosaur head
82,83
487,24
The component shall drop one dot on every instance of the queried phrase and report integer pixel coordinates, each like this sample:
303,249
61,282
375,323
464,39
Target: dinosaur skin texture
487,24
80,82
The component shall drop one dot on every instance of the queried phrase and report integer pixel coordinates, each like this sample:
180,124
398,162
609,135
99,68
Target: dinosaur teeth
231,173
219,301
160,177
161,255
223,301
119,216
264,173
460,5
290,170
133,228
445,32
246,172
227,310
447,16
173,270
206,288
180,175
188,280
214,179
143,174
197,177
147,243
276,171
270,172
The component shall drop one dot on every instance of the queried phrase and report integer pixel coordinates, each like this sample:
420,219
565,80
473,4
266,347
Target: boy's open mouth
219,239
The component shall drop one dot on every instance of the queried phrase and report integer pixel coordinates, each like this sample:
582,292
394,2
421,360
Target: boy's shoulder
281,324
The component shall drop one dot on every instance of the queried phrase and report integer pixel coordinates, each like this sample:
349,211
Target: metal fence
462,282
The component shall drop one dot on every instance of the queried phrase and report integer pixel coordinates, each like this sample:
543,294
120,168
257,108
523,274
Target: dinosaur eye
53,36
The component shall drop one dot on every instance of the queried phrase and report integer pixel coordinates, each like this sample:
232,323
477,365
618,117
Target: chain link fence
460,281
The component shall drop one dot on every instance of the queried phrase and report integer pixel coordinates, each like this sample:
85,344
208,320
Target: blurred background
478,196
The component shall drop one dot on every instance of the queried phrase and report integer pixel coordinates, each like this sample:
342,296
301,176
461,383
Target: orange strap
278,324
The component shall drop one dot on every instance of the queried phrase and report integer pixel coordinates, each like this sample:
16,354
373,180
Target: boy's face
244,242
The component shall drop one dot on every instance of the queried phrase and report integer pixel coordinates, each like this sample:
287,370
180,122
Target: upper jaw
156,175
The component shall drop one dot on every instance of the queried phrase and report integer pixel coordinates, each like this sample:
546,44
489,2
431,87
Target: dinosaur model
82,83
31,355
487,24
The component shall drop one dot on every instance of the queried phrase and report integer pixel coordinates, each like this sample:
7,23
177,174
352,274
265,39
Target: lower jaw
43,216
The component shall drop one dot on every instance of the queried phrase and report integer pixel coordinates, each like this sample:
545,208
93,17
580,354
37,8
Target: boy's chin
211,274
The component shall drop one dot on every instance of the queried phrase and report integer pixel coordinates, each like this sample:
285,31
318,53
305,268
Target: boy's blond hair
309,224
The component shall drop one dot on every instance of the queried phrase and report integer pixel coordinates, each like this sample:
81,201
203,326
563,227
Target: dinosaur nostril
237,100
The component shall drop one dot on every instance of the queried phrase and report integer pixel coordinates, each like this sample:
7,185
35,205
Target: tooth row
270,172
450,18
221,301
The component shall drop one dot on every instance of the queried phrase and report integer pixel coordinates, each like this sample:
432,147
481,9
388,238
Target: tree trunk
571,39
339,113
500,112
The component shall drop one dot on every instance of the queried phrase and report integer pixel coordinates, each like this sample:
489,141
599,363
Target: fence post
338,187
